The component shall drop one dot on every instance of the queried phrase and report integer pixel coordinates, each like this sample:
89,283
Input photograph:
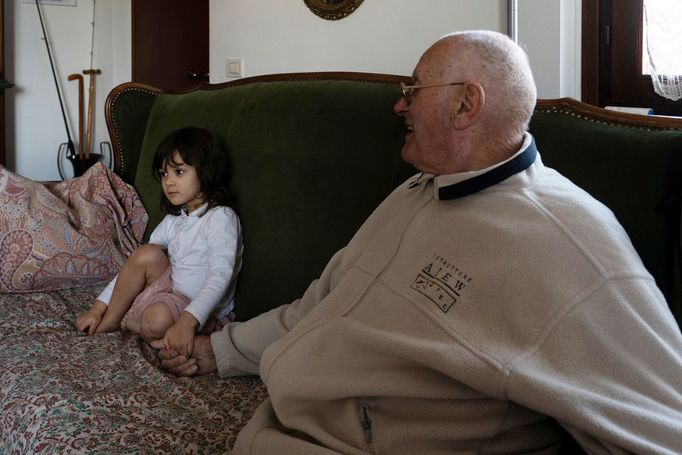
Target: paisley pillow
63,234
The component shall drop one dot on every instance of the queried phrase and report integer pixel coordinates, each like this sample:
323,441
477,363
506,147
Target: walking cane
91,108
79,78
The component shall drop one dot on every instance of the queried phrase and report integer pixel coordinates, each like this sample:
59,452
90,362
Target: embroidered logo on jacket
441,282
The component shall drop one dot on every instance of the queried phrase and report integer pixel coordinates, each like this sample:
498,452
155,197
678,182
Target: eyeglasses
408,90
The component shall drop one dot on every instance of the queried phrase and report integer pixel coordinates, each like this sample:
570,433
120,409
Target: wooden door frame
589,85
3,83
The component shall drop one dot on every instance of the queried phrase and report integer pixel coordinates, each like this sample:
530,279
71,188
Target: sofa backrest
315,153
312,158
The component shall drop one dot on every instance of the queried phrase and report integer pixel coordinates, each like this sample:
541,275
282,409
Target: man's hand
202,360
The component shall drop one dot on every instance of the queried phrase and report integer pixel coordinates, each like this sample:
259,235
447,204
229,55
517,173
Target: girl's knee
156,319
148,254
149,261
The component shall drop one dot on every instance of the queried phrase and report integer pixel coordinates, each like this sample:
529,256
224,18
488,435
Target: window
662,46
612,50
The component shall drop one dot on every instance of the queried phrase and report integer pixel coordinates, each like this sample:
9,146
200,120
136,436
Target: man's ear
469,106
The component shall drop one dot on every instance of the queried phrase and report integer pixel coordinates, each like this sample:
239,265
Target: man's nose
400,106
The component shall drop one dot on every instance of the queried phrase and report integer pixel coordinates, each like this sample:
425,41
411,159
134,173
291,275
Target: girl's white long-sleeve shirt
205,253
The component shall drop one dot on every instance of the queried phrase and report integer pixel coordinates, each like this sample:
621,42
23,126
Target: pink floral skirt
161,291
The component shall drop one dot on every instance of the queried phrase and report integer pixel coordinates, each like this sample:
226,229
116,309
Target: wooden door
3,83
170,42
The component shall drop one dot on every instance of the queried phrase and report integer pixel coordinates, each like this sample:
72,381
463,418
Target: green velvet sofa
314,153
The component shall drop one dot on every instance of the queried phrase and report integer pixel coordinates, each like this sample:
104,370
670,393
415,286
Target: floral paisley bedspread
64,392
60,234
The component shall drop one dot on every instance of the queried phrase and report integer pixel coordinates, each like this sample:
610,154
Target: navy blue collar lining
494,176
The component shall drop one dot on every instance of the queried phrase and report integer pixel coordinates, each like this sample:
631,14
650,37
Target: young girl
184,279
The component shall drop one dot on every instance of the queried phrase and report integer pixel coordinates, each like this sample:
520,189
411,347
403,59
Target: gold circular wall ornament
332,9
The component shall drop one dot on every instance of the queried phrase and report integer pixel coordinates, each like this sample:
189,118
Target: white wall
549,31
271,36
571,56
35,126
387,36
542,42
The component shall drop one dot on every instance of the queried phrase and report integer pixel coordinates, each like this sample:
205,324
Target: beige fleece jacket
469,325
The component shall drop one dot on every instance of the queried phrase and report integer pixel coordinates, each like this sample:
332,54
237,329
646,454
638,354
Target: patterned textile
64,392
62,234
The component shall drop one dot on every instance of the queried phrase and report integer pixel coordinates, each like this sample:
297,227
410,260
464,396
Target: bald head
472,99
500,66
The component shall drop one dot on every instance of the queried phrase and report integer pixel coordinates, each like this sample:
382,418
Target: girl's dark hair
204,150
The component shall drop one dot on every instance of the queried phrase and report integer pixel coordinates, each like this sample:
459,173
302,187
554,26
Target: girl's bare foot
108,325
91,319
130,324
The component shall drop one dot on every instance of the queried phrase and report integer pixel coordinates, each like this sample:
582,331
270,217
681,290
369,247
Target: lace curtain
663,24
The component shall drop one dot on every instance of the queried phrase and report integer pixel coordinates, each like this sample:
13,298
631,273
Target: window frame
611,66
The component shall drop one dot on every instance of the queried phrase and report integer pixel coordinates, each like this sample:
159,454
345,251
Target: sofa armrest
126,118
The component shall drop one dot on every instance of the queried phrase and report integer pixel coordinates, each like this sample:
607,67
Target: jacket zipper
366,422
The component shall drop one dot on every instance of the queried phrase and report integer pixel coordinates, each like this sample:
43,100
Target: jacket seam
551,326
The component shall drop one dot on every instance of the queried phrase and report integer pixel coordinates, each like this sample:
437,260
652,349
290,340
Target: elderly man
485,304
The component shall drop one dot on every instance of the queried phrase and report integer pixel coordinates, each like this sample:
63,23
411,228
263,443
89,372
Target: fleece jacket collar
472,182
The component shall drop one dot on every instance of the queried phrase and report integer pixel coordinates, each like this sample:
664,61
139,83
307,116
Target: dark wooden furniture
4,84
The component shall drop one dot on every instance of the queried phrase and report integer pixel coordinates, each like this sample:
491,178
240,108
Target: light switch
234,67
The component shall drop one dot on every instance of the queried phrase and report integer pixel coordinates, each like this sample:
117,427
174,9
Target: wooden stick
79,78
91,108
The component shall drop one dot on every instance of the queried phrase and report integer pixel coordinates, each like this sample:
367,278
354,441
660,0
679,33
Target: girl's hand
203,359
180,336
90,319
